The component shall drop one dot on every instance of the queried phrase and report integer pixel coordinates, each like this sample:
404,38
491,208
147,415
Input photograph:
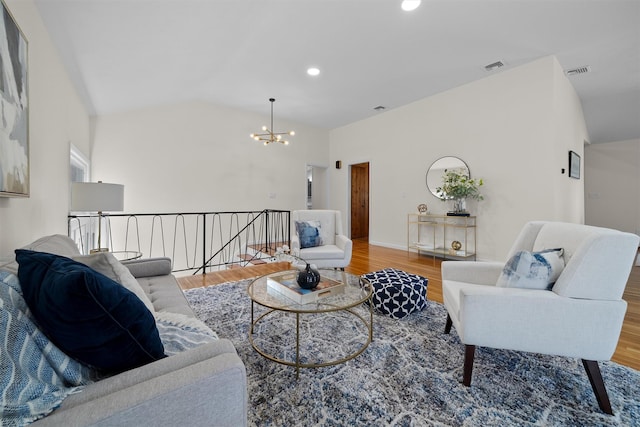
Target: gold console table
442,236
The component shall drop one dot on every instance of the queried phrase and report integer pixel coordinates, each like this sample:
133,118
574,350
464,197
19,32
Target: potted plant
458,186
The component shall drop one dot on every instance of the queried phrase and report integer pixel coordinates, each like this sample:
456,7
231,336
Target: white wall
612,185
198,157
56,118
570,133
514,129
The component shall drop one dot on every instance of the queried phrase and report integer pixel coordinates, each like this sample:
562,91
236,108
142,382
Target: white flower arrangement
456,185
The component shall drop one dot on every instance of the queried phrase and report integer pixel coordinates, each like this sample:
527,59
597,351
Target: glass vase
460,205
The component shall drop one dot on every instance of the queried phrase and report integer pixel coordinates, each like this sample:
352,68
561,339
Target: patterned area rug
410,375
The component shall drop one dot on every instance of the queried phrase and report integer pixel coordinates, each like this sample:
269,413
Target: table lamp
97,197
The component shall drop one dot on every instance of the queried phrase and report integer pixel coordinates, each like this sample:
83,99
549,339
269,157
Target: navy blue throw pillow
88,316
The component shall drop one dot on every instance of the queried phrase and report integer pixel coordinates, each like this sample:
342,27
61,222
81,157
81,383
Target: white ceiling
126,54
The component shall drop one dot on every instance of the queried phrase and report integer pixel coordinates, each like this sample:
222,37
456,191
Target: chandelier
270,136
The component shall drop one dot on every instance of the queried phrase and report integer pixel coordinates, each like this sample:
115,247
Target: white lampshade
96,197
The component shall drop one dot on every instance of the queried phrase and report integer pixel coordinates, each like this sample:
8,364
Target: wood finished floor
367,258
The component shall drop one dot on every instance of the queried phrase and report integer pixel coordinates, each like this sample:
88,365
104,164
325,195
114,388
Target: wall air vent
494,66
579,70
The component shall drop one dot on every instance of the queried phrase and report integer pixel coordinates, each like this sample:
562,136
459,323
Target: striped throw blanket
35,376
180,333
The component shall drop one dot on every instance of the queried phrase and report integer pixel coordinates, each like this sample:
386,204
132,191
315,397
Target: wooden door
360,201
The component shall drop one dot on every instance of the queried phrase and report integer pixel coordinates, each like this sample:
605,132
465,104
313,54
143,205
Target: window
80,229
78,165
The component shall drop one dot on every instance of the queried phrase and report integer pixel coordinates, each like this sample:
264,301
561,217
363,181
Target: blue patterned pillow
87,315
309,233
532,270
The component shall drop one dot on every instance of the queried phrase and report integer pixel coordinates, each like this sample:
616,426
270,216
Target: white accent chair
336,248
581,316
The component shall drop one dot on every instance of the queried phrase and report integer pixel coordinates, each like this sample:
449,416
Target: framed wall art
14,109
574,165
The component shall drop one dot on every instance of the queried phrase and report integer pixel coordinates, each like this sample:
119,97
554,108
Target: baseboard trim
388,245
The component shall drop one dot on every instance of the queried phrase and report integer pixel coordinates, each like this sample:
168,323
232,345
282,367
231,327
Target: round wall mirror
437,170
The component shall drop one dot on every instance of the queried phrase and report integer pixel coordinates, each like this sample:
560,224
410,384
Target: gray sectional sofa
203,386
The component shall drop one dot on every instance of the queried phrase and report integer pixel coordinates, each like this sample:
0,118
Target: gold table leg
297,363
251,324
297,345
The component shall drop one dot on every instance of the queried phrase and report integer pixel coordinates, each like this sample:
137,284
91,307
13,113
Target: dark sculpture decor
308,278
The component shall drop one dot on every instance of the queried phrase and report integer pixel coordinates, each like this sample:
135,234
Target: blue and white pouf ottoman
397,293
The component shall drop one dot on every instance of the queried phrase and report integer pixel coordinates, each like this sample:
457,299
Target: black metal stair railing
196,242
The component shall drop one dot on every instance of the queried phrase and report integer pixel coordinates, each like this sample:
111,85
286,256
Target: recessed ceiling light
409,5
313,71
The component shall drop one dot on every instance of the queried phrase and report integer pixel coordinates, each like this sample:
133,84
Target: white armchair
334,249
581,316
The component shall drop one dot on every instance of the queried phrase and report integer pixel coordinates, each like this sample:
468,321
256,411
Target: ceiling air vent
579,70
494,66
380,108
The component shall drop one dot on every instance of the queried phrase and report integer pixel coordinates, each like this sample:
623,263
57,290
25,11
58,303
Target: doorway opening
316,182
360,201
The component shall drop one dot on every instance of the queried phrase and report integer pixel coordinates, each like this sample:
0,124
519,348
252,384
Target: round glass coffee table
355,291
